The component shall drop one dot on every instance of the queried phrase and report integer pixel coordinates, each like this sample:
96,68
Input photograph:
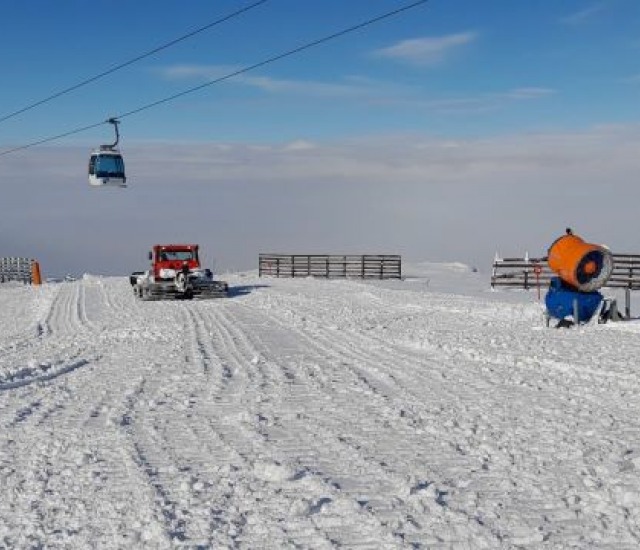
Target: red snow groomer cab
176,273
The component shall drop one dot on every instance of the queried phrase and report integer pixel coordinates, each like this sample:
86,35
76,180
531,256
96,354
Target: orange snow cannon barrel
585,266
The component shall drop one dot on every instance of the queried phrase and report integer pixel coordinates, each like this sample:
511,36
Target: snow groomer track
314,414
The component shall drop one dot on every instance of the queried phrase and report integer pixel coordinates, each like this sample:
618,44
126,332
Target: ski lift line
230,75
275,58
52,138
66,134
131,61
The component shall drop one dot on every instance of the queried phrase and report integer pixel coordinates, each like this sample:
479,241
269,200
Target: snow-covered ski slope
424,413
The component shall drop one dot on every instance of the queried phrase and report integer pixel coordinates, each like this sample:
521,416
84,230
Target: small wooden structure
331,266
24,270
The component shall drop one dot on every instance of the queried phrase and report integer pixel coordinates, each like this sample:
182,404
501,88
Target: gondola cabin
106,168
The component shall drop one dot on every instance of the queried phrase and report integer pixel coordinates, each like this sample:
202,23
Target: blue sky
455,67
496,97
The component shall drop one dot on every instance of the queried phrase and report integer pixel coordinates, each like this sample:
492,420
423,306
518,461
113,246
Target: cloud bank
424,197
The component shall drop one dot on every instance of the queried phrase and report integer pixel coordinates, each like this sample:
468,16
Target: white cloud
305,87
353,86
366,89
481,103
427,50
583,15
425,197
207,72
529,93
299,145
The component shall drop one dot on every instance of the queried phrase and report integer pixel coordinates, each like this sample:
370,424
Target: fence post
627,301
494,270
36,278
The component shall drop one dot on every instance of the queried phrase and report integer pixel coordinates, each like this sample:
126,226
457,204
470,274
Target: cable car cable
227,76
274,58
131,61
53,138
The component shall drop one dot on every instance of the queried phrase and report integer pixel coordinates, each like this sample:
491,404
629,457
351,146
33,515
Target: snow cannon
582,269
586,267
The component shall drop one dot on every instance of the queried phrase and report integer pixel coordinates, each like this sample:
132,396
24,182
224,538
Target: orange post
36,278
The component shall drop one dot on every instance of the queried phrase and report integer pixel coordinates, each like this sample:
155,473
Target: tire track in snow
319,458
232,436
61,345
305,489
65,313
69,336
263,434
239,419
453,464
32,334
228,440
184,452
149,452
87,482
472,431
476,413
177,459
447,462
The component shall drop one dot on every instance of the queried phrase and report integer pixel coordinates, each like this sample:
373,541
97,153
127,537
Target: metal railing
329,266
529,273
16,269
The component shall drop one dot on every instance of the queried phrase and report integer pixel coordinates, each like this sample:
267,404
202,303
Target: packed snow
430,412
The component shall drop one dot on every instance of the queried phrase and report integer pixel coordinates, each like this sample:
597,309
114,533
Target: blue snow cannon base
561,297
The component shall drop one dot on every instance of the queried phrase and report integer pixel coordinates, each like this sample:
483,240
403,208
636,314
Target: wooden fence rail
16,269
530,272
368,266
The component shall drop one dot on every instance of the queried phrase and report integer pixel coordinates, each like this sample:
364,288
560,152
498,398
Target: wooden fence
530,272
16,269
368,266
